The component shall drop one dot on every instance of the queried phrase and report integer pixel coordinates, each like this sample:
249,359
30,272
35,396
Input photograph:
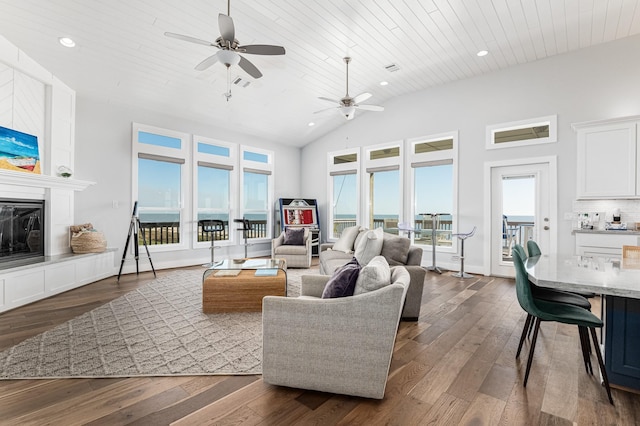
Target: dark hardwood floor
456,365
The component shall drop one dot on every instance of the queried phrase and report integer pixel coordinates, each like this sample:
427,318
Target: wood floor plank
483,410
565,366
440,377
461,353
448,410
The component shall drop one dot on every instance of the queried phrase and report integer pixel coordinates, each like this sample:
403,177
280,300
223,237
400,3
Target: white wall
103,155
595,83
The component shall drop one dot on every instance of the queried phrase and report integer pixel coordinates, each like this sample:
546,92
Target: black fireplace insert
21,232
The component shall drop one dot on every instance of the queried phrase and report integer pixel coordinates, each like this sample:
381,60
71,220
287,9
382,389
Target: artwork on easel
19,151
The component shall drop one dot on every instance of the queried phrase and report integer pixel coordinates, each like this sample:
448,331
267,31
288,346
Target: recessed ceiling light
67,42
384,83
483,53
311,124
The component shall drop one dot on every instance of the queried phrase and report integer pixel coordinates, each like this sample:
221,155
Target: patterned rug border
166,335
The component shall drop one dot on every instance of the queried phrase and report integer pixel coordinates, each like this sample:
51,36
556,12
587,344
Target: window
257,191
434,188
214,179
343,191
383,187
534,131
160,172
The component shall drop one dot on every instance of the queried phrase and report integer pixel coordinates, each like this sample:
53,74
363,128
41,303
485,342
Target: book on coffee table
267,272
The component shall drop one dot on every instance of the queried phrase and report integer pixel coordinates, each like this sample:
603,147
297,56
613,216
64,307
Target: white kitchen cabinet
607,158
604,243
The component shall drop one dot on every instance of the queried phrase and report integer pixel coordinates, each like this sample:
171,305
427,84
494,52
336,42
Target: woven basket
85,240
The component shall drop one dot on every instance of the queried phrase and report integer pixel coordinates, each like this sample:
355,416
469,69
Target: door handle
546,228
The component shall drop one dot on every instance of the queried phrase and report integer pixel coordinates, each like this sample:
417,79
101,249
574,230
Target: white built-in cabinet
608,157
23,285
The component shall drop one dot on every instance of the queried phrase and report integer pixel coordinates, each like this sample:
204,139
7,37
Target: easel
134,225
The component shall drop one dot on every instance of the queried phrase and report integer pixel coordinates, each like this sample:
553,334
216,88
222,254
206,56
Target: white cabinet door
607,157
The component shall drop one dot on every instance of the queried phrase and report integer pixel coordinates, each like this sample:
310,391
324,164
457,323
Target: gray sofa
341,345
330,260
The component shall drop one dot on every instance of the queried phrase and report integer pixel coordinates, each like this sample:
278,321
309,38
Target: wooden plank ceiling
123,57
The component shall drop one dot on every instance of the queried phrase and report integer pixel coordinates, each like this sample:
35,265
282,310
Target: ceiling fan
229,47
347,106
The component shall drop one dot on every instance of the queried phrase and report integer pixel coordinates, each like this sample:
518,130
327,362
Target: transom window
532,131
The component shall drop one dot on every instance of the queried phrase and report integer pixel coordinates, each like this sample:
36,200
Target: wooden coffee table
231,286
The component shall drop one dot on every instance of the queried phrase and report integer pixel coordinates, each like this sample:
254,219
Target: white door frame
552,161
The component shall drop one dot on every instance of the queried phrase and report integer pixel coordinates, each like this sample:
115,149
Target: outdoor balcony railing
422,233
158,233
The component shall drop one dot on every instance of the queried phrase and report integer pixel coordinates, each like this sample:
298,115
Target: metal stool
246,226
213,228
462,237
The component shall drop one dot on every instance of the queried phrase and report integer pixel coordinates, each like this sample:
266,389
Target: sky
518,196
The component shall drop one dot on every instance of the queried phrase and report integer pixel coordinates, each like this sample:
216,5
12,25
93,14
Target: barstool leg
462,273
208,265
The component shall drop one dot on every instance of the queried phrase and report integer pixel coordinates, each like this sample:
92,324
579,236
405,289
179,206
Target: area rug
156,330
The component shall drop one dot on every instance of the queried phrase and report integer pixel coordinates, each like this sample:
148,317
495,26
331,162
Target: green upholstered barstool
541,310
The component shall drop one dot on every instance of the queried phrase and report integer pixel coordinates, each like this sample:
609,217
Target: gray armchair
341,345
296,256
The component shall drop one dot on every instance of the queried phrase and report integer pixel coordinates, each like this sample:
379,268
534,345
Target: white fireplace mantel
10,177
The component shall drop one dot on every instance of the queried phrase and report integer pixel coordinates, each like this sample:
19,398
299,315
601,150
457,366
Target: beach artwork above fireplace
19,151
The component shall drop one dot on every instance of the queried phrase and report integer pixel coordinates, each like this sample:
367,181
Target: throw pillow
347,237
294,237
361,234
396,249
369,246
343,281
375,275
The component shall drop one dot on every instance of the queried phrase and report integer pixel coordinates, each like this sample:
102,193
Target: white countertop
585,273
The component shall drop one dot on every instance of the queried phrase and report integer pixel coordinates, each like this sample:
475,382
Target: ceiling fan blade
227,29
249,68
324,110
362,97
207,62
328,99
189,39
262,49
370,107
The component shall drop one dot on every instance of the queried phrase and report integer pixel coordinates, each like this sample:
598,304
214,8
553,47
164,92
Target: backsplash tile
629,210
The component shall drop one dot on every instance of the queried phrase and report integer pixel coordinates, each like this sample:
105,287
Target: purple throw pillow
293,237
343,281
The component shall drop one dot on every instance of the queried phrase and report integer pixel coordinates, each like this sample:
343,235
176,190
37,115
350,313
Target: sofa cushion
347,237
369,246
375,275
396,249
294,237
343,281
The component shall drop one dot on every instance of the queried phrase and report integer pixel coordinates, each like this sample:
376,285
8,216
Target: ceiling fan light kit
348,105
228,57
